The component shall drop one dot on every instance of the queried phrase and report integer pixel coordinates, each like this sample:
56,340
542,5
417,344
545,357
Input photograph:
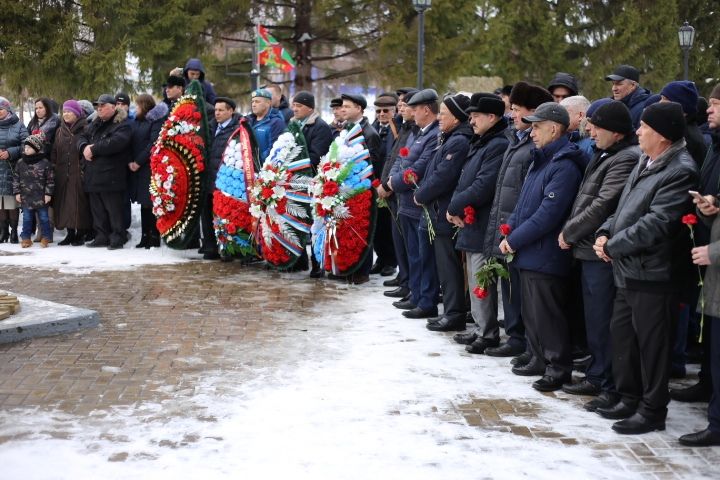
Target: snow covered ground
355,391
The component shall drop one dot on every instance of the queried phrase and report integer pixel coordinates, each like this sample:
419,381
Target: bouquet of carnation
280,202
491,270
232,221
177,161
343,205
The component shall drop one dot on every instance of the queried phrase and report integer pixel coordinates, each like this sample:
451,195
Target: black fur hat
529,96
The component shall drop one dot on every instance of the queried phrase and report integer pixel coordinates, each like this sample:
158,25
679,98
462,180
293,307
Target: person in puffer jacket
33,185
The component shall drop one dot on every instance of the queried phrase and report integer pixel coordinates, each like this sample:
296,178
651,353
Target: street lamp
420,7
686,35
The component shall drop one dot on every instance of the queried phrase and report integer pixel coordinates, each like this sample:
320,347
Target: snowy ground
356,391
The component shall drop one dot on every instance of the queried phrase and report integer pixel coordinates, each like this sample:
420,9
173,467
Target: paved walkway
164,329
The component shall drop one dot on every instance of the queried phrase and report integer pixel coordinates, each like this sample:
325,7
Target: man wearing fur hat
524,99
104,147
616,155
645,241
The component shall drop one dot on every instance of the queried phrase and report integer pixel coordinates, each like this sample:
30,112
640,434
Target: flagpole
255,72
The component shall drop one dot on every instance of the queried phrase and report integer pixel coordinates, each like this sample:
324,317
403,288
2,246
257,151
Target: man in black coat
644,242
434,193
475,190
220,128
105,147
616,155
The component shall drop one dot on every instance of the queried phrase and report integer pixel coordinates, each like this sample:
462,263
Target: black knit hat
613,116
666,118
486,103
336,102
566,80
457,104
529,96
305,98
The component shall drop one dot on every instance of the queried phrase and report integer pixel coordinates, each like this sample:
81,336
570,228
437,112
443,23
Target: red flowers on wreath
689,219
330,188
404,152
480,292
505,229
410,177
266,193
376,183
469,213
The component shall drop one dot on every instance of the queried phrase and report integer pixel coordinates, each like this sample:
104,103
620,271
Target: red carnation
480,292
231,229
689,219
469,212
376,183
280,208
330,188
505,229
266,192
409,176
404,152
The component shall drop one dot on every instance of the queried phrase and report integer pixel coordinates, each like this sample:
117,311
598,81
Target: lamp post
686,35
420,7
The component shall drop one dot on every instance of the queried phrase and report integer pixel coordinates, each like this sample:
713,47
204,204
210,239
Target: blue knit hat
595,105
683,92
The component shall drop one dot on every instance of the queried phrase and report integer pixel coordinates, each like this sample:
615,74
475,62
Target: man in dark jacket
318,137
685,93
475,190
220,128
524,98
544,204
644,241
352,111
267,123
423,282
279,102
626,88
434,193
616,155
562,86
338,123
194,70
105,147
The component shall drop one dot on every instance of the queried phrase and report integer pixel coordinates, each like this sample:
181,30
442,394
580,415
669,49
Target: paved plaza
223,370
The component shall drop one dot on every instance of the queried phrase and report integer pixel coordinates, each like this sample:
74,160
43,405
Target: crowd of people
578,217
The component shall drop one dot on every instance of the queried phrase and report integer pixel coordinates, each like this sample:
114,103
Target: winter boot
44,242
14,217
26,242
4,231
69,239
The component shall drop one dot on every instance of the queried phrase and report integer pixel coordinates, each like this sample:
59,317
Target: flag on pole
271,53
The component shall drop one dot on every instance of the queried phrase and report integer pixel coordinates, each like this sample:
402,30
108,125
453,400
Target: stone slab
39,318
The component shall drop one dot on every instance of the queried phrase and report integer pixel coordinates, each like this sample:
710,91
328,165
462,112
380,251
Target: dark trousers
209,241
398,238
511,293
641,327
452,278
714,405
598,289
705,375
544,307
383,241
576,313
107,215
422,274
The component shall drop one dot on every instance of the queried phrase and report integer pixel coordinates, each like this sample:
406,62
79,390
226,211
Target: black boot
4,231
144,222
14,217
79,238
69,238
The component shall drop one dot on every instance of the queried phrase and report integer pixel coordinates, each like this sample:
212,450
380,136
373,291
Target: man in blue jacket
544,204
267,123
626,88
194,70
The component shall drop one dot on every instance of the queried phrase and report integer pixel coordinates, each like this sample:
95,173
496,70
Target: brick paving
157,336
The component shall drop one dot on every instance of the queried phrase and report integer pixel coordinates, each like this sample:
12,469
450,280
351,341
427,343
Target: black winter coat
441,177
372,142
635,101
217,148
599,194
513,170
709,183
144,134
695,143
107,171
34,178
404,132
476,187
318,137
646,237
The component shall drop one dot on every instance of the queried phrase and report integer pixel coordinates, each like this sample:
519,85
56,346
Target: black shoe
446,325
115,246
14,235
387,271
420,312
399,292
69,238
376,268
637,424
522,359
404,305
78,241
464,338
479,345
549,383
316,272
357,279
504,350
678,372
226,258
695,393
584,387
581,364
604,400
211,256
469,318
617,412
532,369
434,319
97,244
395,282
704,438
